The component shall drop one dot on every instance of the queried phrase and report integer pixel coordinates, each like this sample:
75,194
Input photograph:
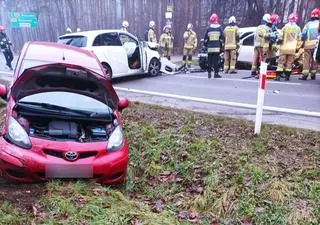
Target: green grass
201,168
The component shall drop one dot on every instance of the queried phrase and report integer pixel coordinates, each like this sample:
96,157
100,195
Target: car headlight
17,134
115,140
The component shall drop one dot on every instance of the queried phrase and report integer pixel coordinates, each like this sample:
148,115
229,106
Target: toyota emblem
71,156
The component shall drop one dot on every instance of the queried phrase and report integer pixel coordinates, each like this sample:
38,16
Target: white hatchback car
246,49
119,52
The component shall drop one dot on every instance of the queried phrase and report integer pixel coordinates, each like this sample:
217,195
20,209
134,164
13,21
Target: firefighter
190,44
231,34
151,34
68,30
166,42
261,43
213,40
125,26
78,29
273,46
290,36
310,37
5,46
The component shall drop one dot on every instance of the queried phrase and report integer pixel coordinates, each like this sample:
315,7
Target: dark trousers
9,57
213,61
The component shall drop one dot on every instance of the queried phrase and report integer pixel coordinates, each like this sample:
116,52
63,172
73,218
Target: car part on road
154,67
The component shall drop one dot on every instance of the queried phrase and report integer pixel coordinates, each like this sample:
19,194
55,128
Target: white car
119,52
246,49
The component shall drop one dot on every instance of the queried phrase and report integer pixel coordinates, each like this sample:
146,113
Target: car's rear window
77,41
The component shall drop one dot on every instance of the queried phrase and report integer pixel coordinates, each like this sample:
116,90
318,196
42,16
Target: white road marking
5,72
219,102
240,80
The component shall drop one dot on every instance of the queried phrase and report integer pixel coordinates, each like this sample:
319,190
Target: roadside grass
192,168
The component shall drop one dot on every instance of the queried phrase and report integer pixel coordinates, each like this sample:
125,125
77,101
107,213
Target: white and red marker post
260,100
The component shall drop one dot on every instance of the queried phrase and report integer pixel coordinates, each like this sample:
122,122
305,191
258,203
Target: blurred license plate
69,171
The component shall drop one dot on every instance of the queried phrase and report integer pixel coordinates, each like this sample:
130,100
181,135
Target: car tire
154,67
107,70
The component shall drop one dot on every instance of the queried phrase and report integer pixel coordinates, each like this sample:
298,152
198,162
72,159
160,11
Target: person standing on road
231,43
290,36
5,46
213,40
273,46
190,45
125,26
261,43
166,42
151,34
310,34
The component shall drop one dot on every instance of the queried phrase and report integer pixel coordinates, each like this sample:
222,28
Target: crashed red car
62,118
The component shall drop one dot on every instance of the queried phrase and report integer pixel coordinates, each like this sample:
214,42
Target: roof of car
247,29
59,53
92,33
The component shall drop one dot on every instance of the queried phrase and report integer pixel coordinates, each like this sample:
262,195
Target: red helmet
214,19
315,13
274,18
293,17
2,28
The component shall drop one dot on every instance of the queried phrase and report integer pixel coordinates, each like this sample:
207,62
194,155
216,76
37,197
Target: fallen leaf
183,215
158,206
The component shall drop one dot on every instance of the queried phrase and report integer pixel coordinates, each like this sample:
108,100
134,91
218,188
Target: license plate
69,171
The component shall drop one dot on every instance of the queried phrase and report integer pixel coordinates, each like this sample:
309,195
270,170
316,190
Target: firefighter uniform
290,36
261,46
190,44
5,47
166,44
213,39
152,35
310,38
231,35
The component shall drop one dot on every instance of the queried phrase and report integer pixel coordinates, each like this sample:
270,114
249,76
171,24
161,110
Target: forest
54,16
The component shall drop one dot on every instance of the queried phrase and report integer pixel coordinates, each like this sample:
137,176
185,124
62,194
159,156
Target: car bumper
33,165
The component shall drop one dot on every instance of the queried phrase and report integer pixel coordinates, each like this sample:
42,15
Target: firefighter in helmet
261,43
213,40
68,30
151,34
166,42
125,26
273,45
190,44
5,47
310,34
290,36
231,34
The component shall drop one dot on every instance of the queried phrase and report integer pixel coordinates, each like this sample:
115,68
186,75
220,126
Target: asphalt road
295,94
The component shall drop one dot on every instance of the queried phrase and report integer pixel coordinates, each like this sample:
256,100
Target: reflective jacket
190,39
310,34
213,38
4,41
290,36
231,35
261,38
166,41
152,36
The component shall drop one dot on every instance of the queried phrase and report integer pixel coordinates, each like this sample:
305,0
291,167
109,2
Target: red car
62,118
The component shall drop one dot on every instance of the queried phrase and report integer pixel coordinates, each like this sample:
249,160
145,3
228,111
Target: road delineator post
260,99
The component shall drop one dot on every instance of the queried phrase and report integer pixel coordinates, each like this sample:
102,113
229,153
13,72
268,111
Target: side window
77,41
248,41
107,39
126,38
245,34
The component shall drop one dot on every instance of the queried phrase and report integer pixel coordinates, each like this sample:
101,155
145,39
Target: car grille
58,154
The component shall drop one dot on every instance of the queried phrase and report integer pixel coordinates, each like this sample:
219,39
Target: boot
254,73
288,74
278,76
209,74
233,72
304,77
313,76
216,75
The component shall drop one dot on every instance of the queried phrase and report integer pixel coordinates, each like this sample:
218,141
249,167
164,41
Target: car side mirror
123,103
3,92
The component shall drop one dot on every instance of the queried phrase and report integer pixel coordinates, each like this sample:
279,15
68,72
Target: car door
246,49
109,50
133,53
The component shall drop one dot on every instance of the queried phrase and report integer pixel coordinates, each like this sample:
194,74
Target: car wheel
107,69
154,67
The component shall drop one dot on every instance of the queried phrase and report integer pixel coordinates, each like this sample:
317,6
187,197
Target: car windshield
77,41
68,100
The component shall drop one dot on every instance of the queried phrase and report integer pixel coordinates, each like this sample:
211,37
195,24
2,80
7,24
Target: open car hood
64,77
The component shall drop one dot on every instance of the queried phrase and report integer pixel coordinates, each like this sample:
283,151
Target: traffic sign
19,20
169,8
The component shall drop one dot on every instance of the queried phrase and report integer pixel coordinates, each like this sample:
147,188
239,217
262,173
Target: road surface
234,89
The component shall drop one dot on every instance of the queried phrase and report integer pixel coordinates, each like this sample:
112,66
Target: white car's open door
144,56
246,49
